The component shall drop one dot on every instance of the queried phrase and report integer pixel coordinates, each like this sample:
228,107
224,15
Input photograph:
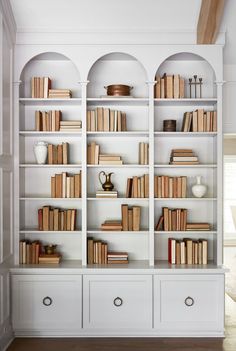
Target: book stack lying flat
40,87
117,257
66,186
187,251
56,219
199,121
173,187
106,194
105,159
58,154
50,259
59,94
143,153
169,87
96,251
131,218
183,157
198,226
70,126
172,219
106,120
138,186
29,252
47,121
112,225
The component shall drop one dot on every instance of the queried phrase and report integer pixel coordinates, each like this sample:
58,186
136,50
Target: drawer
47,302
117,301
189,302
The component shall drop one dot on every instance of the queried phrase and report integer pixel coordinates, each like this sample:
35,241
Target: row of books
58,154
47,121
32,253
94,157
131,218
199,121
169,87
56,219
143,153
66,186
106,120
173,187
40,87
138,186
59,93
97,253
187,251
183,157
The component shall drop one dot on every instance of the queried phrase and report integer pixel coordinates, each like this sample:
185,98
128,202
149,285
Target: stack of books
173,187
29,252
66,186
169,87
138,186
117,257
105,159
106,120
187,251
40,87
50,259
112,225
183,157
172,219
47,121
143,153
199,121
198,226
56,219
59,93
96,251
58,154
94,157
70,126
93,153
107,194
131,218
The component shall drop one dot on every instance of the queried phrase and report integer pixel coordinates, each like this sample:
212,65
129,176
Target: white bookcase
86,75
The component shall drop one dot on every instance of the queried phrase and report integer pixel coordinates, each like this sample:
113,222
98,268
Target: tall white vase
41,152
199,189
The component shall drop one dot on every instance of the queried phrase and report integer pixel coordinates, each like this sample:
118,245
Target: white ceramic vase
41,152
199,189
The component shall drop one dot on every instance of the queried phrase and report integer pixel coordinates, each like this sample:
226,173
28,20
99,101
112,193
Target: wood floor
136,344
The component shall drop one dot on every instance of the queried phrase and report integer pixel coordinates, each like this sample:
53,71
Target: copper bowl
118,90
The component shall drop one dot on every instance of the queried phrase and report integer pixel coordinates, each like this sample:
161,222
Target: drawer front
47,302
187,302
121,301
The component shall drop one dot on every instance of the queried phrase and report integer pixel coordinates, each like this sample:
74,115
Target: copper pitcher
107,185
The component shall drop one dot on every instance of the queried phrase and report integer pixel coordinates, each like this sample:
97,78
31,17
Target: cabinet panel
117,301
185,302
47,302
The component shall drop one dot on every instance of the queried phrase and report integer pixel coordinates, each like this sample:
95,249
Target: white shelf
119,101
185,199
96,231
185,134
35,231
185,101
185,232
50,199
48,102
119,134
33,165
129,199
118,166
185,166
57,134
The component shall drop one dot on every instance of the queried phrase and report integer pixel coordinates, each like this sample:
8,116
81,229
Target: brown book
41,87
179,187
37,252
163,88
124,212
72,187
214,124
58,181
182,252
100,125
33,87
93,148
177,252
159,225
130,219
189,251
136,218
157,92
56,219
73,219
93,121
59,154
88,121
50,154
199,252
68,219
96,155
169,87
89,154
195,122
40,219
90,250
38,121
28,253
58,119
106,119
146,181
54,154
45,217
119,121
46,86
135,186
65,152
129,188
77,185
64,220
166,218
176,86
142,186
123,122
200,115
51,220
181,88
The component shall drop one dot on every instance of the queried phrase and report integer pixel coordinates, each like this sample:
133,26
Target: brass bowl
118,90
50,249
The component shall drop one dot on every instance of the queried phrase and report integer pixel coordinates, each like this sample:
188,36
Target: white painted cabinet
189,303
117,301
47,303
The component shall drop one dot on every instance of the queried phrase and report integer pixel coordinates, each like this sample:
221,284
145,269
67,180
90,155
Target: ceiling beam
209,21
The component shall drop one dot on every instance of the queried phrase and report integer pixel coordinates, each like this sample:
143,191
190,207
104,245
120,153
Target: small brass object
107,185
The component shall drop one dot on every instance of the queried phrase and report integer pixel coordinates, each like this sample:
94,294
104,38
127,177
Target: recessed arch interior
58,67
117,68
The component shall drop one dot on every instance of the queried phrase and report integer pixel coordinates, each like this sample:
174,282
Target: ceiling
122,15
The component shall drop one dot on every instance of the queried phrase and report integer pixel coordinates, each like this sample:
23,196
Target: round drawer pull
189,301
47,301
118,301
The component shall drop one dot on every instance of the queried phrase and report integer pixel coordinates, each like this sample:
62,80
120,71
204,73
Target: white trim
9,21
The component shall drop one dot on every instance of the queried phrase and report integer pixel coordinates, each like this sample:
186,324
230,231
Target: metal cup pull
118,301
189,301
47,301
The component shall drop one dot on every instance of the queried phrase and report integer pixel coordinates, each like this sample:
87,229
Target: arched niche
117,68
186,65
59,68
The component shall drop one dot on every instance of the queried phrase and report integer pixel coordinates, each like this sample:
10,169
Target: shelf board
119,166
35,231
49,101
35,133
119,134
161,165
185,134
45,198
185,199
185,232
185,101
97,231
116,100
33,165
130,199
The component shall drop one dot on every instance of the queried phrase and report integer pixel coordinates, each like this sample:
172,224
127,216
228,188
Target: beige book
171,194
73,219
181,88
93,148
53,115
182,252
146,153
195,122
176,86
93,117
68,219
123,122
65,151
189,251
89,156
119,121
102,162
146,181
112,121
46,210
77,185
214,127
56,219
208,121
72,187
100,124
139,187
58,185
184,186
136,218
141,153
53,187
163,88
64,176
130,219
142,186
32,89
200,114
68,187
135,186
124,212
41,87
157,92
88,120
38,121
96,156
106,115
60,154
169,87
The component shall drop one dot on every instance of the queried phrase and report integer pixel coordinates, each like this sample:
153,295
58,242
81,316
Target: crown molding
8,20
